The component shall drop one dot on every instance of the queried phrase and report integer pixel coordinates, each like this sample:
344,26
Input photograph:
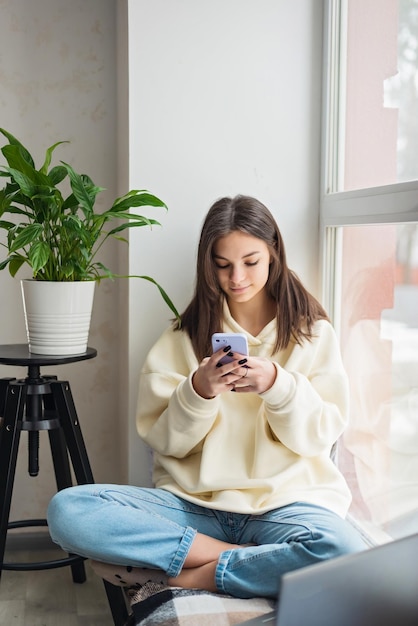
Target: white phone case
237,341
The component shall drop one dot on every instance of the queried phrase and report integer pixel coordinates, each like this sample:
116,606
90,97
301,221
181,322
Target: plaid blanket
155,605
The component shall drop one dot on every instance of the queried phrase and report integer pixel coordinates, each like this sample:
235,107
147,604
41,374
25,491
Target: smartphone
237,341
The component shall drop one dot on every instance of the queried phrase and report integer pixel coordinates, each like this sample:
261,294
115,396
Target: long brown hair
296,311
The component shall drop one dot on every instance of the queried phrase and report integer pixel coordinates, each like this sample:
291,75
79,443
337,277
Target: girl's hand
260,376
243,374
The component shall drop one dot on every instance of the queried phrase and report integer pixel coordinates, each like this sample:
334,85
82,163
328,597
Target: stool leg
58,445
4,384
117,603
60,459
9,443
65,407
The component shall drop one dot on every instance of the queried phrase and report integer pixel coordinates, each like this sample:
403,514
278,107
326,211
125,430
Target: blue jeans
153,528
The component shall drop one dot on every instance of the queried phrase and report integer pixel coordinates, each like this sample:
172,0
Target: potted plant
54,229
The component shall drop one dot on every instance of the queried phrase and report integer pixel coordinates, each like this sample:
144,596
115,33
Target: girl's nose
236,275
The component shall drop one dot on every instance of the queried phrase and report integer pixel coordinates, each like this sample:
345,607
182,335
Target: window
369,224
379,342
379,50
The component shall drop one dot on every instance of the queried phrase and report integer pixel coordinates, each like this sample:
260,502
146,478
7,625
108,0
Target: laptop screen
377,587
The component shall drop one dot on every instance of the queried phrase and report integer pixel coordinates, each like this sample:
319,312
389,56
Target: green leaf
13,141
48,156
28,235
27,212
6,225
57,174
25,183
45,193
131,217
39,254
15,264
125,225
70,203
108,273
166,298
137,198
4,263
68,268
16,161
5,201
29,180
79,190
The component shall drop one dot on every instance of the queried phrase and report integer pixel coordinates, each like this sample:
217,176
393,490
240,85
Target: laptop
376,587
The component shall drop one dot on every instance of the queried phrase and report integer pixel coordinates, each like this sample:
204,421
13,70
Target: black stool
43,403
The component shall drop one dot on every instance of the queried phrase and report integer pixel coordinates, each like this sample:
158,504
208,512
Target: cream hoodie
248,452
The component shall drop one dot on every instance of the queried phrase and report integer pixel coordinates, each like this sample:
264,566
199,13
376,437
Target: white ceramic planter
57,315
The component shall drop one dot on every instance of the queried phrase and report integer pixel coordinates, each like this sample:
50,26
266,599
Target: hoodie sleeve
171,417
307,407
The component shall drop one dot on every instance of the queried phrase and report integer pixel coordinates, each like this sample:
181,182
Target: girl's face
242,265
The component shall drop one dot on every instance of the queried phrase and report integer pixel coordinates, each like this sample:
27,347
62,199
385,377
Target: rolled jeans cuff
177,563
221,569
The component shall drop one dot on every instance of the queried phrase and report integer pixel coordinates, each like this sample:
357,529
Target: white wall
224,98
58,81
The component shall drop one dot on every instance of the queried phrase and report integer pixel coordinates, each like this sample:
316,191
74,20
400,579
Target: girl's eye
224,267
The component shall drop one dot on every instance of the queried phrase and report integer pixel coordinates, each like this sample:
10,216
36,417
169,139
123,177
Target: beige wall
58,82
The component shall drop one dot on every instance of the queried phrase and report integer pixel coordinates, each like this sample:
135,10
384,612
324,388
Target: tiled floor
49,597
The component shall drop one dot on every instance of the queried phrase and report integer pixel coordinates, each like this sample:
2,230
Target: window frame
395,203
